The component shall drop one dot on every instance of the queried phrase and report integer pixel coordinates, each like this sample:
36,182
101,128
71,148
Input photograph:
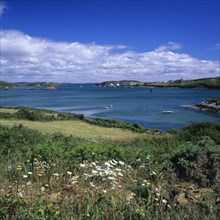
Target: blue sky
90,41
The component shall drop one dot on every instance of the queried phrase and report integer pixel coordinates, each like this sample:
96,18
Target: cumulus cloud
26,58
2,8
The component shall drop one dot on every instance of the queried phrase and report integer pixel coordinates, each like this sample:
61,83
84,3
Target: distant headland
32,85
208,83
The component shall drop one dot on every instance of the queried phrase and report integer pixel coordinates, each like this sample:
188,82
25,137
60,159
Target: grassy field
8,110
76,128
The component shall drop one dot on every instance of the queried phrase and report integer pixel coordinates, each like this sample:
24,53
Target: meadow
63,166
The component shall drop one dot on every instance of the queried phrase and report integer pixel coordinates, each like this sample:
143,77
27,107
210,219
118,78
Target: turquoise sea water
129,104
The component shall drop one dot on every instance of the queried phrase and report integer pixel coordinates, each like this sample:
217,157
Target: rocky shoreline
210,105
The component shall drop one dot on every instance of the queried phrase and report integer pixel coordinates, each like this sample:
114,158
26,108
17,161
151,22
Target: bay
128,104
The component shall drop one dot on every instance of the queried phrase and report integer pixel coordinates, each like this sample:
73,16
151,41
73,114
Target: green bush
195,131
197,162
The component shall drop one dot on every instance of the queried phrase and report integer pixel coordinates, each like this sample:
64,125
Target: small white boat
168,112
108,106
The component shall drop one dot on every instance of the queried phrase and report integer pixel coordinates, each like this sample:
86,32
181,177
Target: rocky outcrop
210,105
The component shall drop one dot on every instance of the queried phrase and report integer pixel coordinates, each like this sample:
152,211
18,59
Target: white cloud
26,58
2,8
170,46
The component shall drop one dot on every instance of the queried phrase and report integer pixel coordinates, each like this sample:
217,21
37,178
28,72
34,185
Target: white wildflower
87,175
25,176
111,178
120,174
56,174
69,173
20,194
94,171
108,164
101,174
42,189
121,162
29,173
91,184
82,165
99,168
108,172
118,169
113,162
164,201
158,194
74,179
28,183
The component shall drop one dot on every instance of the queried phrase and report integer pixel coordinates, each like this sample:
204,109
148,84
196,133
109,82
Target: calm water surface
129,104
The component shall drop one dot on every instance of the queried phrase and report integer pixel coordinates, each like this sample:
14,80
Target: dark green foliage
18,139
195,131
69,116
110,123
5,115
32,115
199,162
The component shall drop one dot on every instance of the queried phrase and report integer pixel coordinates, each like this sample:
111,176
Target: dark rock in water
210,105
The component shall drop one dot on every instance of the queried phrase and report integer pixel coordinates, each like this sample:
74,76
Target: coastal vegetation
53,168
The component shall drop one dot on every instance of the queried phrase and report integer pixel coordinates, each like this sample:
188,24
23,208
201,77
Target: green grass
8,110
76,128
